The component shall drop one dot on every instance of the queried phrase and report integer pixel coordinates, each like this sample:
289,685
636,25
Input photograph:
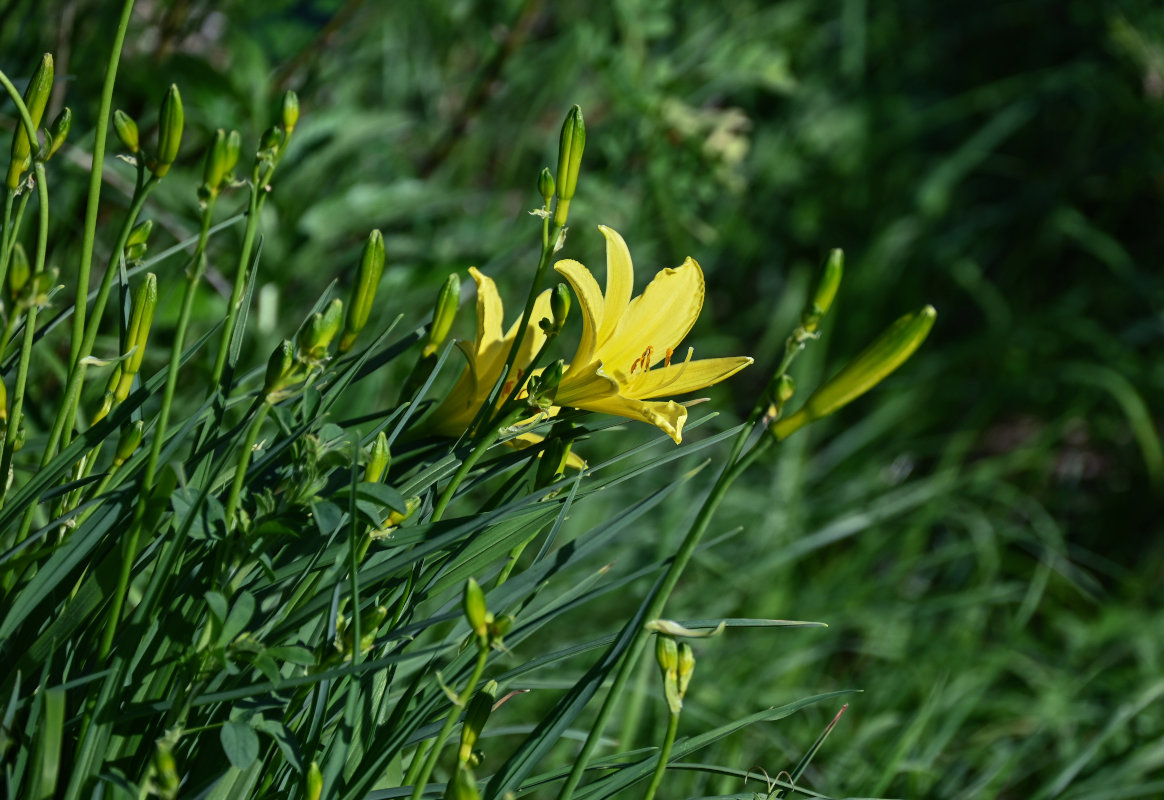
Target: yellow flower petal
592,306
534,337
620,283
668,416
685,377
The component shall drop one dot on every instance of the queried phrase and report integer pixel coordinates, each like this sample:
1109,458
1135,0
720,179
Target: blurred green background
982,533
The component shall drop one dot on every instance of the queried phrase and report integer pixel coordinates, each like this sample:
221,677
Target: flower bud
269,142
685,668
667,655
59,131
128,442
36,97
126,130
379,459
552,464
313,781
546,185
560,305
233,150
166,780
463,786
476,715
170,122
18,272
216,163
443,314
826,290
570,146
290,111
316,334
364,289
542,388
279,367
141,317
136,242
885,354
780,394
476,613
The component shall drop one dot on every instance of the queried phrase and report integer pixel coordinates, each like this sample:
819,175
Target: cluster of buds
36,98
677,663
171,120
314,339
487,629
218,167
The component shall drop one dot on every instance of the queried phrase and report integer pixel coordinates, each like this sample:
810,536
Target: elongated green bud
233,151
570,146
685,668
560,306
126,130
166,780
141,317
59,131
476,715
170,122
364,289
542,388
313,781
885,354
279,367
290,111
546,185
18,272
36,97
826,291
463,786
216,164
552,464
667,655
269,142
140,233
316,335
128,441
443,314
379,459
476,613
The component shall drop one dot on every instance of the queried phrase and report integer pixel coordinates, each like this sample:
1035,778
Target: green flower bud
443,314
166,780
666,655
314,782
141,317
826,290
18,272
126,130
170,121
269,142
379,459
140,233
317,333
216,164
36,97
685,668
233,150
128,441
279,367
552,464
463,786
542,388
59,131
560,305
476,715
546,185
885,354
397,517
476,613
290,111
370,622
781,393
570,146
364,289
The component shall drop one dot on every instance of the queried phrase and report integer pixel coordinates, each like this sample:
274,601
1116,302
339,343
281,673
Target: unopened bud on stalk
552,464
781,393
269,142
826,291
570,146
141,317
560,306
364,289
379,459
542,388
546,185
18,272
316,335
290,111
128,442
170,122
885,354
165,772
137,241
59,131
686,667
313,781
476,715
443,314
216,164
36,97
126,130
279,367
233,150
476,613
463,786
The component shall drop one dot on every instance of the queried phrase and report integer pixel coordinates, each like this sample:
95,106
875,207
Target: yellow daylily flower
625,359
486,356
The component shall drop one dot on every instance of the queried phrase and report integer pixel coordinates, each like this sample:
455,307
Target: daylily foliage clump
253,593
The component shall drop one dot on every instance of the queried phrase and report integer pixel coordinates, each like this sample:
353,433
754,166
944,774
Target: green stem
421,780
479,448
658,601
244,460
664,757
6,236
94,200
244,260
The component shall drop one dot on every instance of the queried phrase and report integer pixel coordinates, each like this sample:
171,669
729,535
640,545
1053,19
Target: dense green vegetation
981,533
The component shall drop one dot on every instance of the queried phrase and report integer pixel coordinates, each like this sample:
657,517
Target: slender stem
244,460
434,752
664,757
244,260
29,332
658,601
90,233
6,235
479,448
